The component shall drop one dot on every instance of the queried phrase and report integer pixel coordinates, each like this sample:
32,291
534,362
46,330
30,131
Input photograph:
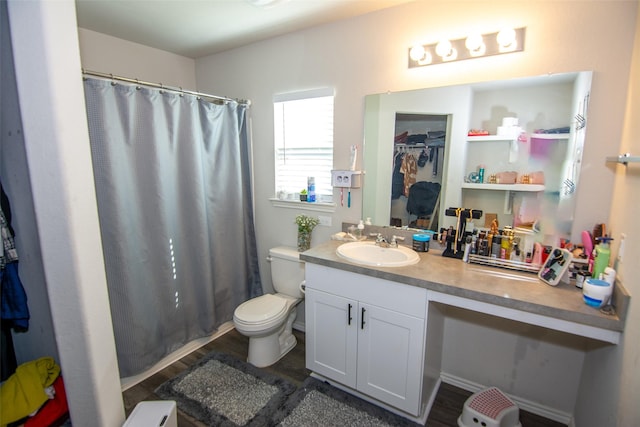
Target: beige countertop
492,285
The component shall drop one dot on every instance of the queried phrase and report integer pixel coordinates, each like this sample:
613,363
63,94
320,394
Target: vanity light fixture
475,45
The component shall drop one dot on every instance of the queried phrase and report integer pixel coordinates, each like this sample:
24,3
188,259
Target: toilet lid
260,309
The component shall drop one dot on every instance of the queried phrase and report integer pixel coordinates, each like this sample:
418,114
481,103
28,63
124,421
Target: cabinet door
390,357
331,336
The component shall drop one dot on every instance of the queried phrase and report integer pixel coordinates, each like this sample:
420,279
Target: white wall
538,366
368,55
106,54
39,340
56,136
612,374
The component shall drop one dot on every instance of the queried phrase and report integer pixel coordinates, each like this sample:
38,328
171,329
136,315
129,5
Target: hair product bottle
603,253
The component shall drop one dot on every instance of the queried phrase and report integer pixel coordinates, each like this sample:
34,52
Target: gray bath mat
223,391
317,403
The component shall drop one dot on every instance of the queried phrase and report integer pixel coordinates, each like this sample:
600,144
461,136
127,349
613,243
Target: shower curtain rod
163,87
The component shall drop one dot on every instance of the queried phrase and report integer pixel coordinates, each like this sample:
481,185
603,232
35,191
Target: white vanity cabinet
367,334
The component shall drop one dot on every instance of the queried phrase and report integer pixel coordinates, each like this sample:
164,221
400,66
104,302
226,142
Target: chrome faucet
394,241
381,241
384,243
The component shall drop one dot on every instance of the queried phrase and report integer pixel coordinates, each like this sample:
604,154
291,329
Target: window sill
296,204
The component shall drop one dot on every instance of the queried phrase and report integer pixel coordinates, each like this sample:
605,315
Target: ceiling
196,28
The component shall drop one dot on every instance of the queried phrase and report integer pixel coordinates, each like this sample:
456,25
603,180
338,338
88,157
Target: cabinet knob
349,318
362,322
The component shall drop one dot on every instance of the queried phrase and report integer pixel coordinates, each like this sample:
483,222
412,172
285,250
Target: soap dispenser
360,231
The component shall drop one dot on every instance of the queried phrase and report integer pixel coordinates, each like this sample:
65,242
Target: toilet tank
287,270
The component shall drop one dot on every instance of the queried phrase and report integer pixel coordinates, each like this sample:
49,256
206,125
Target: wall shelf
509,190
549,135
624,159
487,138
504,187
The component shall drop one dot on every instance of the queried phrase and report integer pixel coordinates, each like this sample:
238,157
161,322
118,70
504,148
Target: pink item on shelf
509,177
541,145
537,254
536,178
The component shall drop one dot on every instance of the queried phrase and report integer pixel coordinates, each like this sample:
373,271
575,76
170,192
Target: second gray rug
317,403
223,391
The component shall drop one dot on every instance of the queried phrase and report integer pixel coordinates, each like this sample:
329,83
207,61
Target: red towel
54,411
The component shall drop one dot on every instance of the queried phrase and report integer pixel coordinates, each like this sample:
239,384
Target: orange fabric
409,168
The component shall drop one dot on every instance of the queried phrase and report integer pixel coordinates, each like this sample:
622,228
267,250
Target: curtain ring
113,82
138,85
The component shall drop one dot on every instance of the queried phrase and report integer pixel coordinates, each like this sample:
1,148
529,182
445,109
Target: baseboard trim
299,326
527,405
128,382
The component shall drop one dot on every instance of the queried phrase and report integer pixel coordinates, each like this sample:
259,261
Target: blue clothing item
397,180
423,197
14,307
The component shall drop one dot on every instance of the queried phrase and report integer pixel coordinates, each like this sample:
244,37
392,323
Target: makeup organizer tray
504,263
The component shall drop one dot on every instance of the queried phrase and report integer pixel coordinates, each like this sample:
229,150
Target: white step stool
489,408
159,413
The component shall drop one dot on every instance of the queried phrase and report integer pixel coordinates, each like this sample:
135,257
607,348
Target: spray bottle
603,253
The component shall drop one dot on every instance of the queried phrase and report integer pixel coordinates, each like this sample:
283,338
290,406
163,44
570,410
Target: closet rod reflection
163,87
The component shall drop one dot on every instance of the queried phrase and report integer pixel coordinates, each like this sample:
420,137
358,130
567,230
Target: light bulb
507,39
426,59
417,52
475,44
443,48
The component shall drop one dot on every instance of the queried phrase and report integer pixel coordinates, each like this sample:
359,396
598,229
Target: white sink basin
367,253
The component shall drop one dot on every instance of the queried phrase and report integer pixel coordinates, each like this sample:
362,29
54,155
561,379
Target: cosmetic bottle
467,249
537,254
495,246
360,230
505,247
311,189
603,253
481,174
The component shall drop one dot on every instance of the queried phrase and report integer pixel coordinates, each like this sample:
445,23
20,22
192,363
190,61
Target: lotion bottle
360,231
603,253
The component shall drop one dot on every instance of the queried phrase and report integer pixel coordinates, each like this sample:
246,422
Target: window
303,137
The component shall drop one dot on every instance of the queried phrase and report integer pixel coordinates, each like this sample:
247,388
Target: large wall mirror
419,158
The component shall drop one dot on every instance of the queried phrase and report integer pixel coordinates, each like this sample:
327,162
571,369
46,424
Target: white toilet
267,320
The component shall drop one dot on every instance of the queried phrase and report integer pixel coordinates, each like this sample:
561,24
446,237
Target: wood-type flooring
444,413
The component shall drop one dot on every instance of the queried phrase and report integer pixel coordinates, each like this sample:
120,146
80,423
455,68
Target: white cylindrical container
596,292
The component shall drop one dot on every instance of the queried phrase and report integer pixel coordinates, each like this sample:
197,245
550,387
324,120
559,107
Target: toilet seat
261,312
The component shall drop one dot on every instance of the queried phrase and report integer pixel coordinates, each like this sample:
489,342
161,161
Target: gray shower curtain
172,176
